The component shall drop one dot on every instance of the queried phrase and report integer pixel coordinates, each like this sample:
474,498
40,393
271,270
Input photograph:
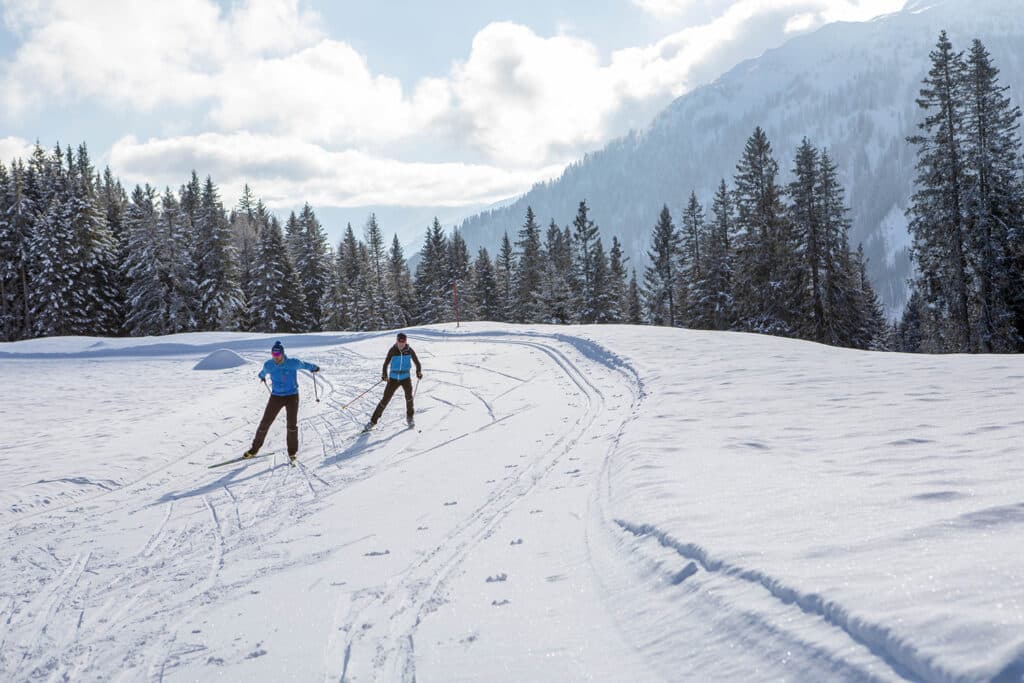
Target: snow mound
221,359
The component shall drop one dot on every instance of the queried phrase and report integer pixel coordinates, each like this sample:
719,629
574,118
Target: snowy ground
598,503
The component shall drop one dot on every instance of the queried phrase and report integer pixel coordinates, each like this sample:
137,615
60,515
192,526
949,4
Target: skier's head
277,352
400,340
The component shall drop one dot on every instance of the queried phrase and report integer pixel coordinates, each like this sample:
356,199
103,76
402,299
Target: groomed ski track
490,538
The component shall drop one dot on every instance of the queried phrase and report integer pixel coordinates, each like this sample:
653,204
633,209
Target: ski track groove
446,557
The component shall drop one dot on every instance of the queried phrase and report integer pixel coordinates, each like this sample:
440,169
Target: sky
370,105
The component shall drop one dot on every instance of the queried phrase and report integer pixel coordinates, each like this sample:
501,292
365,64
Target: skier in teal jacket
284,380
397,372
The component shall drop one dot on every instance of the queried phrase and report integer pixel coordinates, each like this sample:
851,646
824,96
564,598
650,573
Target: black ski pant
389,391
274,405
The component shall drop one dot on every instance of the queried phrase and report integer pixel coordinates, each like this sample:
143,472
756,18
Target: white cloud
14,148
283,169
518,100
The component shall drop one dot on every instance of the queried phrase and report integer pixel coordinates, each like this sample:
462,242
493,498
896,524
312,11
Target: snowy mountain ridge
850,87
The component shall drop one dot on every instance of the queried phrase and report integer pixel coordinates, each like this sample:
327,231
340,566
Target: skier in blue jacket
284,379
397,372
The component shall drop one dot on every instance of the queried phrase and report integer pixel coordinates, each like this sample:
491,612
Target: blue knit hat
278,347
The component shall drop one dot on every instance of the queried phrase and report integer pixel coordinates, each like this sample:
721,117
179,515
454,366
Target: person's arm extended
309,366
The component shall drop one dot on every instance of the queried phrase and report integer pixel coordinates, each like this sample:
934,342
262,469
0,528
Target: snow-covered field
595,503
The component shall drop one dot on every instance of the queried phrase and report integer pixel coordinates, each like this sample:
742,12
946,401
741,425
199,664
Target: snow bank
221,359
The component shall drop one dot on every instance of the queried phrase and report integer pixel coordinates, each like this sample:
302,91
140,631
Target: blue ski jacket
285,377
399,362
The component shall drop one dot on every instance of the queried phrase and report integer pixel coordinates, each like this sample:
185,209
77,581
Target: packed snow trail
569,506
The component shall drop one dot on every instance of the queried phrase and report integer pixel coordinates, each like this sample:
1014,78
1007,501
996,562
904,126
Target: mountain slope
850,87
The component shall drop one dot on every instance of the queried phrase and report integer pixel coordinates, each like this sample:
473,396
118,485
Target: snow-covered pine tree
691,264
805,214
277,302
994,203
617,286
602,307
218,295
433,292
585,234
400,283
634,309
314,268
485,288
98,288
113,204
245,238
55,253
144,267
762,288
179,270
347,297
661,277
937,213
19,211
504,273
554,300
458,273
716,303
529,271
909,330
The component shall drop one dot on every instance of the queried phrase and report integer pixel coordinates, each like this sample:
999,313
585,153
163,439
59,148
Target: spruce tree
588,295
717,305
661,278
553,304
994,202
314,268
433,290
762,287
400,284
219,297
937,213
691,263
179,272
529,271
485,288
634,309
147,282
617,285
278,305
458,274
504,273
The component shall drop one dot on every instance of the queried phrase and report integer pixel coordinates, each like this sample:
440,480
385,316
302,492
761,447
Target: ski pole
416,388
361,395
314,388
266,386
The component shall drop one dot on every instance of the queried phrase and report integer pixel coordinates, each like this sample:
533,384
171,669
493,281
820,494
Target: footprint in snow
499,603
376,553
451,502
517,541
422,528
498,578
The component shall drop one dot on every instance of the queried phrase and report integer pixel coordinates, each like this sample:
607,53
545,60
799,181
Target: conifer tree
433,290
764,294
554,300
278,305
459,274
937,213
18,218
504,273
400,283
994,200
691,261
617,286
716,303
219,298
147,288
179,271
313,268
635,313
529,272
661,278
485,288
584,237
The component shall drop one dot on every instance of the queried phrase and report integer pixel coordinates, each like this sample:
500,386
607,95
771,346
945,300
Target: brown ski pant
389,391
274,405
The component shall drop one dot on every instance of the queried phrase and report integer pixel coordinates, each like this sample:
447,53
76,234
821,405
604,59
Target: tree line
79,255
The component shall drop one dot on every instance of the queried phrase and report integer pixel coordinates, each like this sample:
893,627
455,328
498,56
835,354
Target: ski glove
419,375
316,368
383,378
